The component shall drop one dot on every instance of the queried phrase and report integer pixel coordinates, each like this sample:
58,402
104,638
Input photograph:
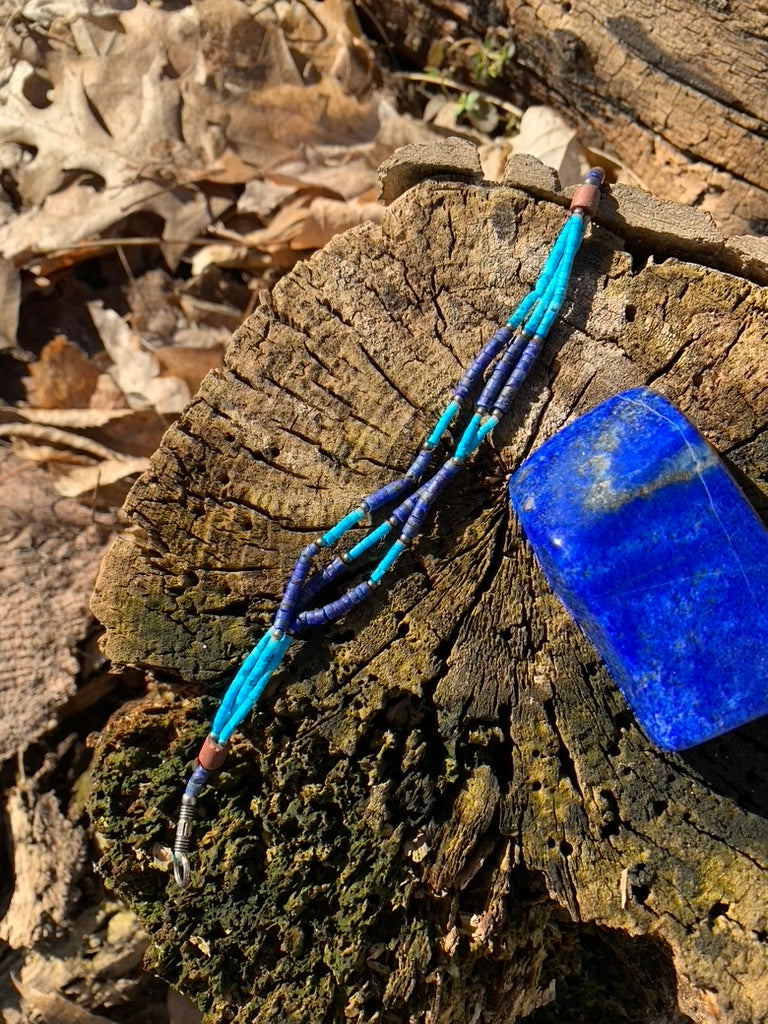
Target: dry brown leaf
189,364
45,12
64,440
263,196
327,35
53,1008
139,105
92,963
308,223
253,49
305,223
89,480
62,378
157,99
266,126
107,396
48,854
442,111
206,337
120,111
81,435
83,211
543,133
351,178
136,371
75,419
46,454
213,321
144,132
328,217
10,297
154,311
493,158
224,254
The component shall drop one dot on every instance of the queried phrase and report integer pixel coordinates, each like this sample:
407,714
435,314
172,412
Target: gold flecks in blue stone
644,536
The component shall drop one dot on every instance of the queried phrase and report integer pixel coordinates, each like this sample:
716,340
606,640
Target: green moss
292,876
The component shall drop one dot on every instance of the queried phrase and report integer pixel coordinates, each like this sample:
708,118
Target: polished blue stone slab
642,533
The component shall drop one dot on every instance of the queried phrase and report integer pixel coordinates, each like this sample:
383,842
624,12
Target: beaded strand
514,349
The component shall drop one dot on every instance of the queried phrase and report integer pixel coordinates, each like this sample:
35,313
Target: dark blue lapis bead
402,512
196,782
642,533
419,466
517,377
481,362
501,372
388,493
333,610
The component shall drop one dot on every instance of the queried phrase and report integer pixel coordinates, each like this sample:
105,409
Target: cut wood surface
678,91
442,810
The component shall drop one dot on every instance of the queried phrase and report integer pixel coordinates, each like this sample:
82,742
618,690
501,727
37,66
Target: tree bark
679,92
443,810
50,548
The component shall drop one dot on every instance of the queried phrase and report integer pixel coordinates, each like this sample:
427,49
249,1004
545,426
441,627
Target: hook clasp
180,869
182,841
210,759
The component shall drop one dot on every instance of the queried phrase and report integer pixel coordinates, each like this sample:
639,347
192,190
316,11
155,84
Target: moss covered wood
442,810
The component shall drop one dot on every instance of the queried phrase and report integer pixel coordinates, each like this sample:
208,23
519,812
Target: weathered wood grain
50,548
679,91
443,810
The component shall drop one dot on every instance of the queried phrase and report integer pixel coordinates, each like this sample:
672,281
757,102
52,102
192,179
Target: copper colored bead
587,198
212,754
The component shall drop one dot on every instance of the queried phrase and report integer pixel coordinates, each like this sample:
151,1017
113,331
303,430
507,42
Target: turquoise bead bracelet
497,373
634,519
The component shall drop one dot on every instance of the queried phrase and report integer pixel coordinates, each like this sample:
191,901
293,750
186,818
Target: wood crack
461,704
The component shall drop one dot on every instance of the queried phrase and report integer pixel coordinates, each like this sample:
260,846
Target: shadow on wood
442,810
678,91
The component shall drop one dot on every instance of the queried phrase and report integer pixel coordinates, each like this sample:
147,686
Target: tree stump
442,810
678,91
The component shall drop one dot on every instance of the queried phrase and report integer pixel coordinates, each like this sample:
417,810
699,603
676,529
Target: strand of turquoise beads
497,372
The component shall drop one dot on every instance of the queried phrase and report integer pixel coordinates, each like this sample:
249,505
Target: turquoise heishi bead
643,535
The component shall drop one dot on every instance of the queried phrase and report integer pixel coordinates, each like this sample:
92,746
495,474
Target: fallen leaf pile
166,164
136,124
162,165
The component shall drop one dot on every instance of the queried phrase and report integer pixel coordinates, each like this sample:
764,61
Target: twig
450,83
56,436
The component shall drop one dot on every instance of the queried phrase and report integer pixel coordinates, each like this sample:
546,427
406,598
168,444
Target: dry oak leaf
114,173
135,370
178,88
545,134
206,93
305,223
62,378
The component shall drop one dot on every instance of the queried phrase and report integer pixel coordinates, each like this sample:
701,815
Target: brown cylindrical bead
212,754
587,198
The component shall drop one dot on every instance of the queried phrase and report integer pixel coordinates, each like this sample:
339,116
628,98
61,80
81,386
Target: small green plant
489,59
480,61
453,63
477,110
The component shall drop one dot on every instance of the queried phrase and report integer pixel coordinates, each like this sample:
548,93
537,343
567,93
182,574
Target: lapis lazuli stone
642,533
